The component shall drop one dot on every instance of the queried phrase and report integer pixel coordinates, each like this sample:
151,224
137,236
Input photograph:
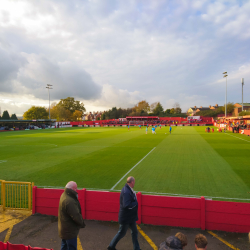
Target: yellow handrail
16,195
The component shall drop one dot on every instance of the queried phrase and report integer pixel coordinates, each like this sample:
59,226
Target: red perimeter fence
152,209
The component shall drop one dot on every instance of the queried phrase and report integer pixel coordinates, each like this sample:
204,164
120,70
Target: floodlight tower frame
242,82
49,87
225,75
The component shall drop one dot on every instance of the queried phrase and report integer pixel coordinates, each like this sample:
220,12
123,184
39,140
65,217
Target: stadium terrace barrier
246,131
9,246
153,209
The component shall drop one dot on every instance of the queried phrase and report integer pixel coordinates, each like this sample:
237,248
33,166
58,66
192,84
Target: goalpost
136,123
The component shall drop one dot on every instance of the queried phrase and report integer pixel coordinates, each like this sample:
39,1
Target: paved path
41,231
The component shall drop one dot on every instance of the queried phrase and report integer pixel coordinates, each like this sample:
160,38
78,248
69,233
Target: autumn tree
35,113
59,113
172,111
72,105
77,115
141,108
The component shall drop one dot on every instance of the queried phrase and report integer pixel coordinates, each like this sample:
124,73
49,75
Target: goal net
136,123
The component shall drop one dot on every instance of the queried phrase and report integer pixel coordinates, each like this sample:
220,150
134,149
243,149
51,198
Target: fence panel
152,209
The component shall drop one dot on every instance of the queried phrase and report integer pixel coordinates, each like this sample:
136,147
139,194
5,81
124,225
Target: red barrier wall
152,209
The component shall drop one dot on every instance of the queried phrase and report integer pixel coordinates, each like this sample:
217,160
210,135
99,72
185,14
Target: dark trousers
122,232
69,244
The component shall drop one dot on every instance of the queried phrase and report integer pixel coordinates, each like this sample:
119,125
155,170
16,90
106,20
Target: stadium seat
3,246
37,248
16,246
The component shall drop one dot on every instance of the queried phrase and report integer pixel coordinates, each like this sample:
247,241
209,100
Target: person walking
69,217
146,130
128,215
170,129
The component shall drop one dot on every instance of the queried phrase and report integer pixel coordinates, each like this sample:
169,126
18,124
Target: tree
70,104
13,117
103,116
35,113
244,113
142,108
6,115
230,108
77,115
177,108
167,111
158,110
60,113
153,106
172,111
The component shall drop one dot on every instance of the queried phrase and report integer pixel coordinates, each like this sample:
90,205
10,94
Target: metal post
242,82
225,75
3,194
49,87
49,105
29,196
226,100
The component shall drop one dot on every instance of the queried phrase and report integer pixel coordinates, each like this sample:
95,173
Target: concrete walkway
41,231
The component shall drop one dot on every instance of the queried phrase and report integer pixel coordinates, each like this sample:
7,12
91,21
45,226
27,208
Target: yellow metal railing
16,195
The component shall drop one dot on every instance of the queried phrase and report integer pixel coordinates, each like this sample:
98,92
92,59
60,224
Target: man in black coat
69,217
127,215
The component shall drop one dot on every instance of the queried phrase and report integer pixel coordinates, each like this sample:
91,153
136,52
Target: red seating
37,248
9,246
16,246
3,246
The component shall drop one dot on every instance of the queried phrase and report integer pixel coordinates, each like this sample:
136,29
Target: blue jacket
128,206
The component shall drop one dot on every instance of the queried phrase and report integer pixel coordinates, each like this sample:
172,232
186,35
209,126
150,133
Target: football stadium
124,125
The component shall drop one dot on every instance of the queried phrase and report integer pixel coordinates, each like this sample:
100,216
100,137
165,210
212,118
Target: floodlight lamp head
49,85
225,75
224,72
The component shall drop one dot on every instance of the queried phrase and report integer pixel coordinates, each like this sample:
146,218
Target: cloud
114,97
115,53
67,78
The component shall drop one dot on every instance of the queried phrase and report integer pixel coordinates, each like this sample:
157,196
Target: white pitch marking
132,169
2,161
238,138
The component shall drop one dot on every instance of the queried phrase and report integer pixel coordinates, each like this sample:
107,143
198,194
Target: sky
110,53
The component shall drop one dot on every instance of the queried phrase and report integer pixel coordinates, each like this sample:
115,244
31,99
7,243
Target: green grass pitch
189,162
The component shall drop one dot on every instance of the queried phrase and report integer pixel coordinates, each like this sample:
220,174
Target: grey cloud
10,63
67,78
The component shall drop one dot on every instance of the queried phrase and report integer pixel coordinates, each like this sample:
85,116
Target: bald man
127,215
69,217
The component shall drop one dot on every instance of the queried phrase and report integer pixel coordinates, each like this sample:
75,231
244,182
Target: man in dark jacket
69,217
177,242
127,215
